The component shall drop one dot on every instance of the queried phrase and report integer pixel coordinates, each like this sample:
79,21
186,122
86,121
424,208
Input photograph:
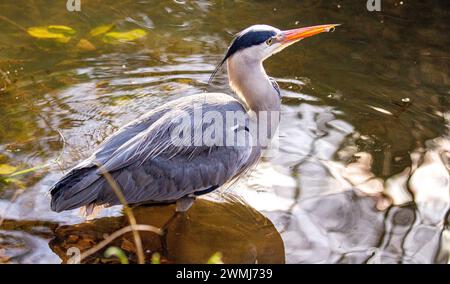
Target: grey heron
149,167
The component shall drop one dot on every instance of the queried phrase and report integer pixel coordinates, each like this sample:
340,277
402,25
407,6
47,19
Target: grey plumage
148,167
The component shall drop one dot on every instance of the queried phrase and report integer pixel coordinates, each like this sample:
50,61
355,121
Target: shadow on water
240,233
361,175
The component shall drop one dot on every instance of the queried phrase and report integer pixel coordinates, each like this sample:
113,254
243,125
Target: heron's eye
269,41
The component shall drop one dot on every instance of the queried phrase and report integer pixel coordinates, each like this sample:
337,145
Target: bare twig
115,187
116,234
12,23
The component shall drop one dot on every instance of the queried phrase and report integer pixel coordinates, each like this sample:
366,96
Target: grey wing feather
148,166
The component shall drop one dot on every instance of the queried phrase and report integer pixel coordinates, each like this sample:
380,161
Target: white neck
249,80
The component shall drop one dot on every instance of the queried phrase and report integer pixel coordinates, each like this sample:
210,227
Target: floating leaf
54,32
101,30
16,182
102,84
112,37
29,170
117,252
215,258
6,169
61,29
156,258
44,33
85,45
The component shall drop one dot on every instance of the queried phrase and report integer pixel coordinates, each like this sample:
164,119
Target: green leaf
101,30
61,29
117,252
16,182
26,171
85,45
6,169
114,37
53,32
215,258
156,258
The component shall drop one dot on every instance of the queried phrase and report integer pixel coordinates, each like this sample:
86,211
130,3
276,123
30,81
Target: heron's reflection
228,226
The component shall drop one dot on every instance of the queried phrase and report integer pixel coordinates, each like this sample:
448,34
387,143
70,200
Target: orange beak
301,33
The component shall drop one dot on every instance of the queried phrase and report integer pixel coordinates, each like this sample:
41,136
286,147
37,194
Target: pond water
361,175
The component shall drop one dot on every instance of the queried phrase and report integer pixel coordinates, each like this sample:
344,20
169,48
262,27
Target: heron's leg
184,203
182,206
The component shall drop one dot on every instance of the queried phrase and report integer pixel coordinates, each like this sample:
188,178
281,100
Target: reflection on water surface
362,171
240,233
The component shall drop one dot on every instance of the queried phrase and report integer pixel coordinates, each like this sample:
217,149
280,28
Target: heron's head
259,42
